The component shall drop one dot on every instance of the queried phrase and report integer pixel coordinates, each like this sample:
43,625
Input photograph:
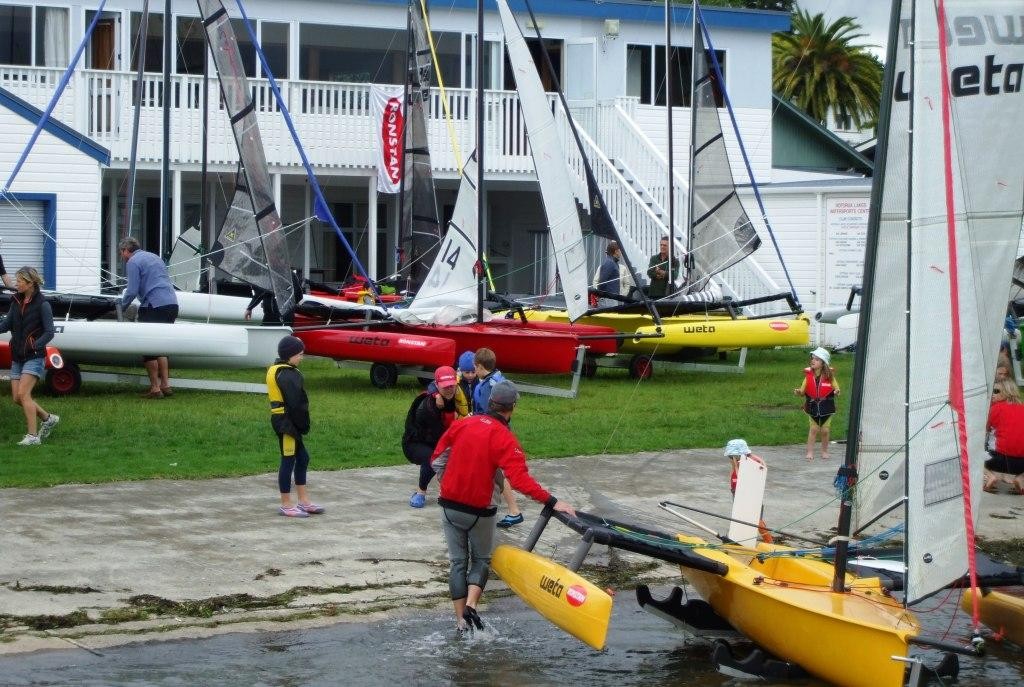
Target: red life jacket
817,387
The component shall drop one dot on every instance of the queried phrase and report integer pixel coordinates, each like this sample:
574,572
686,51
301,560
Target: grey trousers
470,540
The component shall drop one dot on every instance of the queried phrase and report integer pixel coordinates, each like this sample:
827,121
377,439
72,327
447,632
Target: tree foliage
777,5
819,68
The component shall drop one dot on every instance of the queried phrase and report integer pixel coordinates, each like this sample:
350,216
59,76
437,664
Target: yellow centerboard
557,593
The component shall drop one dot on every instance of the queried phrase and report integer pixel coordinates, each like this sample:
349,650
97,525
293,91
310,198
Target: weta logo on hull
699,329
377,341
552,586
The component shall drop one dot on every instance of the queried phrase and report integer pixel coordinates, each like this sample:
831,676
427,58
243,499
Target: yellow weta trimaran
946,212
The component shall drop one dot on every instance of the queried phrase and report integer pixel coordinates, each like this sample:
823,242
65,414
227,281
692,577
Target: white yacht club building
609,57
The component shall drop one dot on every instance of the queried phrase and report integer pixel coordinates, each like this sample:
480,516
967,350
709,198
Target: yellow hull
846,639
692,331
569,601
1002,612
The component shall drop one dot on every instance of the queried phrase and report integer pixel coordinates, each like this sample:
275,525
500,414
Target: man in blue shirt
148,281
608,276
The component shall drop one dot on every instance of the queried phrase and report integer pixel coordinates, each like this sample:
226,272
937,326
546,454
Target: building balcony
333,121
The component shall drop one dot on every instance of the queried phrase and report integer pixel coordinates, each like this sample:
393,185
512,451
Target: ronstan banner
389,125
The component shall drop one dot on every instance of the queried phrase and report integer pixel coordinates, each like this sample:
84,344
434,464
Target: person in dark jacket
289,416
470,460
435,412
30,322
268,303
662,282
608,279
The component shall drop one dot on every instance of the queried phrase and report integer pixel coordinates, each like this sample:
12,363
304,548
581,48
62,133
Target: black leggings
294,458
1006,464
419,454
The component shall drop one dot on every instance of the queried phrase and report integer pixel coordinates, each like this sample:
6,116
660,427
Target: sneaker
472,618
292,512
30,440
48,424
510,520
311,508
418,500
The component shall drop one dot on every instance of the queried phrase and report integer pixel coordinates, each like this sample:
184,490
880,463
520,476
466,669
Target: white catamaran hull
186,344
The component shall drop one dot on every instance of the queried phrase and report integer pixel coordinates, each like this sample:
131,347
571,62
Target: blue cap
466,361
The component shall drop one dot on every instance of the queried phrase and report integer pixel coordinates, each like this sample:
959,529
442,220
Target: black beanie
289,346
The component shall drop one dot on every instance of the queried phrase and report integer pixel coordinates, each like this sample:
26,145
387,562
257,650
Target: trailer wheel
384,375
641,367
589,369
64,381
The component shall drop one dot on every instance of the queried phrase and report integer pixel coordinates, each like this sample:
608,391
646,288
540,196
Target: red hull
379,345
518,349
597,346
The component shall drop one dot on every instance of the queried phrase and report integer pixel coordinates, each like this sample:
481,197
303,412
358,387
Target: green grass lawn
108,433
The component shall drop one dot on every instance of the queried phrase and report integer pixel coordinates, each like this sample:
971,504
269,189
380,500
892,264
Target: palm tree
818,68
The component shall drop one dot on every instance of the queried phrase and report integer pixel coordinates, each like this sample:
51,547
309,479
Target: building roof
54,127
800,142
636,10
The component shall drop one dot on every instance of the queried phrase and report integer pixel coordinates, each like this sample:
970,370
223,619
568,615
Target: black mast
481,275
849,469
165,169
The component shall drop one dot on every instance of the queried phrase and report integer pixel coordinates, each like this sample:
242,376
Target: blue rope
53,100
320,208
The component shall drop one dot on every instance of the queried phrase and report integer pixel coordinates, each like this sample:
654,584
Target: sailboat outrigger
946,212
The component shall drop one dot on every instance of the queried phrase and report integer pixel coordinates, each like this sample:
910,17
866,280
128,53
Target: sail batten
912,426
251,245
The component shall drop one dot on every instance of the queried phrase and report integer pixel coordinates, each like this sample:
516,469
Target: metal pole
207,230
481,283
165,169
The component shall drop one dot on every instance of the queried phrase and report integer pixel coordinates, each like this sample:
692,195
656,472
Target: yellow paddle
557,593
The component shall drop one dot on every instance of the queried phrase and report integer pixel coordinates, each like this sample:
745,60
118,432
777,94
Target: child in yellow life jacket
289,416
819,389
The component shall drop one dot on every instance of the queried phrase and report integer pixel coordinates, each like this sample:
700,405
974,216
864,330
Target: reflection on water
518,647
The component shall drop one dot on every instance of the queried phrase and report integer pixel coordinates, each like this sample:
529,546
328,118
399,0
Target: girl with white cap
819,389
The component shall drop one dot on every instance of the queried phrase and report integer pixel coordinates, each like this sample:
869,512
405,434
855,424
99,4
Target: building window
16,35
47,25
638,72
52,37
351,54
645,74
153,60
274,40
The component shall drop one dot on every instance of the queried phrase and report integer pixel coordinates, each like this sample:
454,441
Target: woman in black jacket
30,322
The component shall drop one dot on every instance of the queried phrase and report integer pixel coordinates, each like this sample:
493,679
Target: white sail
553,173
451,285
907,325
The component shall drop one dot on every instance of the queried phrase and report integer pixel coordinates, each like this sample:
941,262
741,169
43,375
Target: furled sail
721,233
449,293
907,435
251,245
553,173
421,226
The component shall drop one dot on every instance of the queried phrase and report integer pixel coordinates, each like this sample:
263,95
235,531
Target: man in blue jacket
148,281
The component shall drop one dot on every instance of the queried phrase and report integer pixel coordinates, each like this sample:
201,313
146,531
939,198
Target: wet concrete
132,561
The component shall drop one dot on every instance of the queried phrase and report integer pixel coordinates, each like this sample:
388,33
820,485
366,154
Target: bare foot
810,457
825,456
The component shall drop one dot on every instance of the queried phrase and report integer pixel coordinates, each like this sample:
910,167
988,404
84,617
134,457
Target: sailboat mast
671,143
848,472
692,169
139,90
402,229
165,165
207,232
481,283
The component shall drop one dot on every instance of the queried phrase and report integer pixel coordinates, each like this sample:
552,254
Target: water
518,647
